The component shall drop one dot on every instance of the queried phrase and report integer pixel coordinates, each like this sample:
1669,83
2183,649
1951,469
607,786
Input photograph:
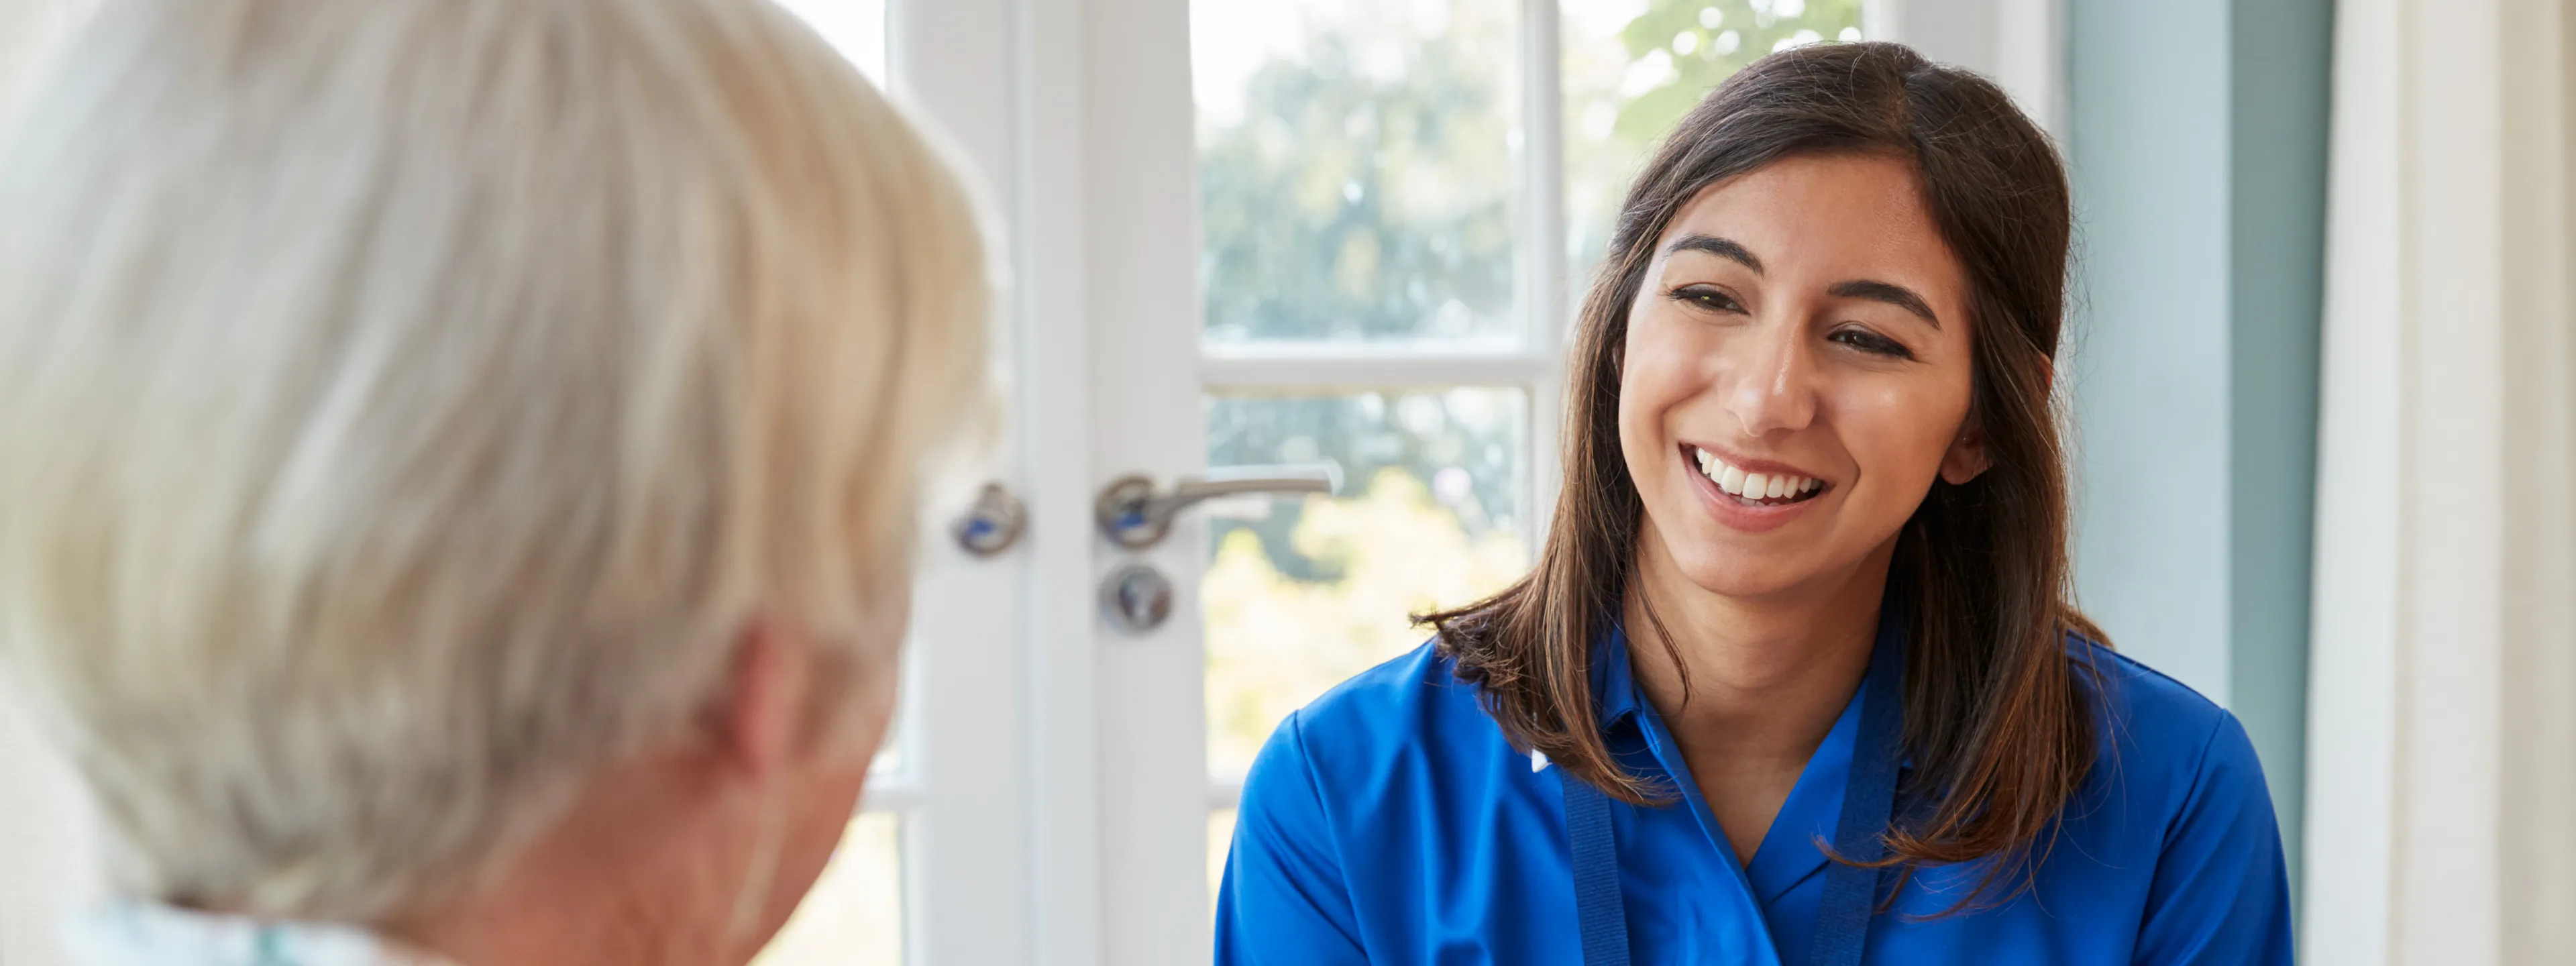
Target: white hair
405,404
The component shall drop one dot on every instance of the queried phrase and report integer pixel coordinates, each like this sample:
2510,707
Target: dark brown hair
1996,724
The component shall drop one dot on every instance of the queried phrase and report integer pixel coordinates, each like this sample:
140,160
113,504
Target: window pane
856,27
1634,67
854,916
1357,178
1300,595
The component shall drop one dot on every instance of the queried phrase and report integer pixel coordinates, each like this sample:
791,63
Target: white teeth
1752,486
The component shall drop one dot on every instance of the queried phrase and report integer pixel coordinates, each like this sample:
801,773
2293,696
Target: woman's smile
1751,495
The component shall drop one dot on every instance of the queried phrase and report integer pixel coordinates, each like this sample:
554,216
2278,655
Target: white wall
2021,44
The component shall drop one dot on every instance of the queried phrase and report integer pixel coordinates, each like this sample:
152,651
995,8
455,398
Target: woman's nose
1769,386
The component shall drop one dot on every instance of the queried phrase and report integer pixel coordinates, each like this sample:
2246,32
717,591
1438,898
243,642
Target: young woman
1796,678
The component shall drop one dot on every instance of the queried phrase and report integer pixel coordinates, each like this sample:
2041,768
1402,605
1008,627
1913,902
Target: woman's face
1796,373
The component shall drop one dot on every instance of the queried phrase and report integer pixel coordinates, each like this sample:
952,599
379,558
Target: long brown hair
1995,722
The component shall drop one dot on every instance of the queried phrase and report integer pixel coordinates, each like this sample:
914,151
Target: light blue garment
143,934
1389,822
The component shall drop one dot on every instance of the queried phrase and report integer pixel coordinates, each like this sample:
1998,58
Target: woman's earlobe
1966,458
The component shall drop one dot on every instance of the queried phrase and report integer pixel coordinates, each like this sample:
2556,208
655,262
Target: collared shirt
1390,822
146,934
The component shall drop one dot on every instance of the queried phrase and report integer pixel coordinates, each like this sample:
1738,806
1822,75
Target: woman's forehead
1810,204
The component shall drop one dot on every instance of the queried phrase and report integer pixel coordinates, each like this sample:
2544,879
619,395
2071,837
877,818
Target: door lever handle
1133,515
993,523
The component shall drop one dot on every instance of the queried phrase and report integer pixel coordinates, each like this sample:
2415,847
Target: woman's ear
757,726
1966,457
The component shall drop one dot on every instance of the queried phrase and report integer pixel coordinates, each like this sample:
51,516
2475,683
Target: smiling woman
1811,468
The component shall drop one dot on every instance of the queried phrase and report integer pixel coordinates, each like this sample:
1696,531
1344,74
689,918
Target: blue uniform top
1389,822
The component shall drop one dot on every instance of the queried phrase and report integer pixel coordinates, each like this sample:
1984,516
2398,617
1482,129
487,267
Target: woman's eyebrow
1892,294
1720,247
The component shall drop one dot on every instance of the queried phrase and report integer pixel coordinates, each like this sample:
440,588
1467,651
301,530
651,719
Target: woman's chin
1741,576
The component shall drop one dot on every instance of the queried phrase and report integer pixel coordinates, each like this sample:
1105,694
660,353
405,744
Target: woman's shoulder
2175,824
2126,688
2156,735
1403,716
1410,698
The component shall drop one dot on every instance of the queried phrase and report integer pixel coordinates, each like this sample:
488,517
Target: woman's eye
1708,298
1871,342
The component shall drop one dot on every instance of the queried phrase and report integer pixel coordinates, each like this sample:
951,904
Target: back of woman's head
1996,727
404,403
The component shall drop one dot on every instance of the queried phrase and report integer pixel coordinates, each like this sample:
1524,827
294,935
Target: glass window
1300,595
1634,67
855,27
1356,172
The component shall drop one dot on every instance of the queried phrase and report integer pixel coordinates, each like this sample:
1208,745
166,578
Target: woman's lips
1730,490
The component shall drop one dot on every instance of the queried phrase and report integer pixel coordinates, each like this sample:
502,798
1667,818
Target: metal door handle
993,523
1132,515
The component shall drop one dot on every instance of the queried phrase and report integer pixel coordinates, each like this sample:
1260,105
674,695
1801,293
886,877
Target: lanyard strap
1869,799
1851,891
1596,873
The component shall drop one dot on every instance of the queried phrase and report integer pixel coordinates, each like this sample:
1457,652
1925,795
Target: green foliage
1704,41
1354,201
1368,190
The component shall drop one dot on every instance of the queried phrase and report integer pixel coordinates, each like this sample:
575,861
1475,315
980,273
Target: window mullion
1544,302
1299,369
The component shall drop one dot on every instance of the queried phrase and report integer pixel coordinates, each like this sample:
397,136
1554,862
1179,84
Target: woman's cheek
1902,439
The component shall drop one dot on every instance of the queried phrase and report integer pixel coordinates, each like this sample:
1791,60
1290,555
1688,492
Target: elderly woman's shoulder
137,934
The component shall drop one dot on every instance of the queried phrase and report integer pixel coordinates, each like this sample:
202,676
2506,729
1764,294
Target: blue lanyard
1851,892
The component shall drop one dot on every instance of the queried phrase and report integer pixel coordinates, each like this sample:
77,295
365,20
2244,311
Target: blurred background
2319,380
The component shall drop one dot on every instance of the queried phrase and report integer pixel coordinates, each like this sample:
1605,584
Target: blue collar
1844,796
1614,681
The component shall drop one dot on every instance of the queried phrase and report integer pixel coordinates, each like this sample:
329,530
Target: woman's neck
613,881
1766,677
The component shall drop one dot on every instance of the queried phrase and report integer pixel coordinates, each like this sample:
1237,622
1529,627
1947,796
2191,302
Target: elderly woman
459,461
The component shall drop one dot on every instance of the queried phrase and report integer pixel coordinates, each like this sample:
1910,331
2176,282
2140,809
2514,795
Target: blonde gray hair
405,404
